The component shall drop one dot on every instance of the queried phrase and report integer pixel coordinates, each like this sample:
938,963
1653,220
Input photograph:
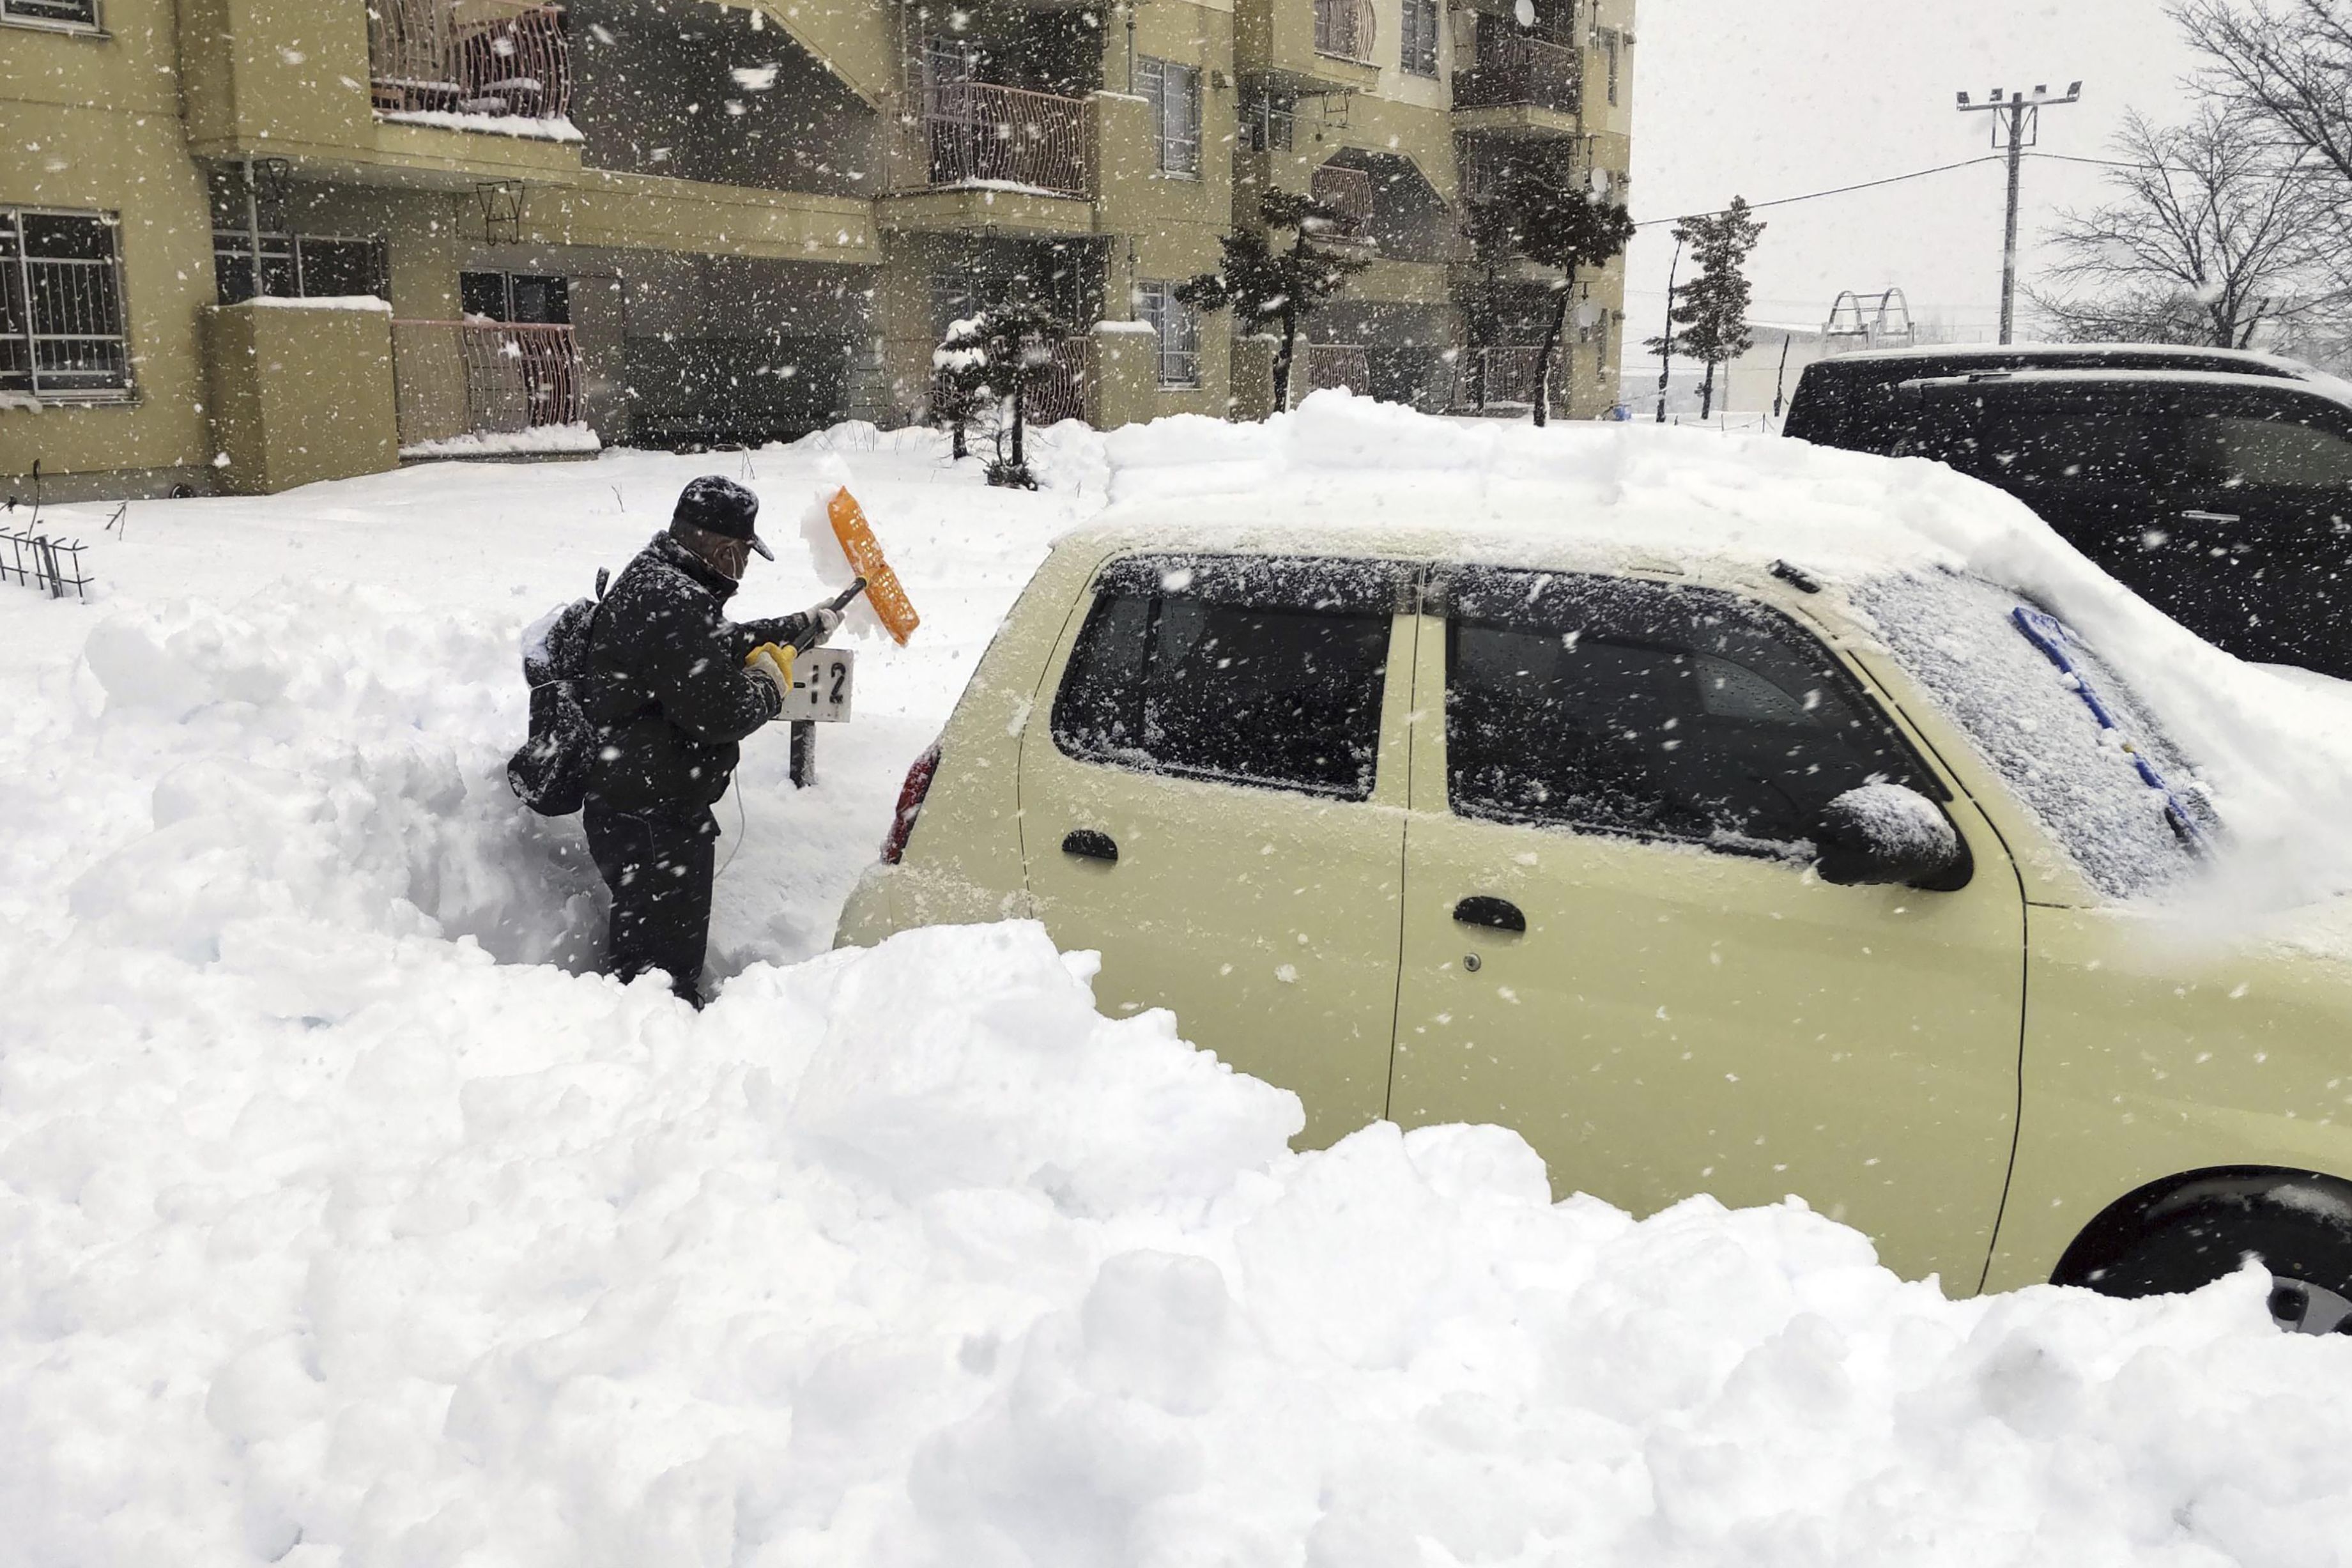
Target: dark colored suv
2217,486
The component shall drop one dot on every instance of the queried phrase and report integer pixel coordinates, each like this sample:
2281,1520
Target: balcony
973,134
1345,30
982,158
1518,71
477,386
491,59
1348,194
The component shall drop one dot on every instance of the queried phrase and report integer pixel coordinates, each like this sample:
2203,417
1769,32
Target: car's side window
2273,444
2082,440
1250,670
1626,706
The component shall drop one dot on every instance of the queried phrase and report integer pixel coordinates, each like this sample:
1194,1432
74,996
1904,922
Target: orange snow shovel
882,591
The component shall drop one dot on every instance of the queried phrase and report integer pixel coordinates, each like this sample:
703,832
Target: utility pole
2019,114
1667,343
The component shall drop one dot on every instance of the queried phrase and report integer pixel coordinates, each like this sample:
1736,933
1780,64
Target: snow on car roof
2276,364
1349,475
2323,385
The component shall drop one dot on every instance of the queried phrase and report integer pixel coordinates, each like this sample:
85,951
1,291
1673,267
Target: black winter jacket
672,698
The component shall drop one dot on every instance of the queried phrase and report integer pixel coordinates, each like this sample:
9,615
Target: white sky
1776,98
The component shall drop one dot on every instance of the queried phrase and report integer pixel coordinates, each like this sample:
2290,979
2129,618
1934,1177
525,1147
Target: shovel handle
848,596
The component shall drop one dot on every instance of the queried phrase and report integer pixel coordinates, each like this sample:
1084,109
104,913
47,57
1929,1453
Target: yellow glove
772,662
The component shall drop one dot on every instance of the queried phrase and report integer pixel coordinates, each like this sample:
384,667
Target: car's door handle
2194,516
1087,844
1494,915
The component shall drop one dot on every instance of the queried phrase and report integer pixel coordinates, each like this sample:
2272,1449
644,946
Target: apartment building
674,222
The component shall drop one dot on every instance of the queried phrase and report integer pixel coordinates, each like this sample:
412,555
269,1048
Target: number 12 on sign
823,682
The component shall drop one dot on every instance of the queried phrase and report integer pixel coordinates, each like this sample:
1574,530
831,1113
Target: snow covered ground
345,1222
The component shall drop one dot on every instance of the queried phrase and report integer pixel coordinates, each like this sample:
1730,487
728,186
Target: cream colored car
1707,877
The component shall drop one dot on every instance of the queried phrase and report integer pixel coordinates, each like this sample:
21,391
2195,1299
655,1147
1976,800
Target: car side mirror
1884,835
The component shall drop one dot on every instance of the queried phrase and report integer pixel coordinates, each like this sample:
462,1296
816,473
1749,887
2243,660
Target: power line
1840,190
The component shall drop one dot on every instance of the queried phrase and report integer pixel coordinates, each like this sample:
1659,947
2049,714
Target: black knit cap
720,506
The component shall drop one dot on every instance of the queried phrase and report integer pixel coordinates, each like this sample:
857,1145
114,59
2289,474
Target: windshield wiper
2050,634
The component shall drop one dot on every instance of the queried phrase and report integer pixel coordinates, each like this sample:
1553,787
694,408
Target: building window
522,298
1175,93
299,267
61,327
1179,328
51,13
1420,36
1269,120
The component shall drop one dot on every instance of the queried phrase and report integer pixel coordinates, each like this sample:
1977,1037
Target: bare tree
2212,238
2286,65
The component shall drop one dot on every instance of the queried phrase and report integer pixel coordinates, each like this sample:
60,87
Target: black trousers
658,865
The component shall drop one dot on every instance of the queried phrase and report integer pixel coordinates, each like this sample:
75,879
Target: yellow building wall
91,124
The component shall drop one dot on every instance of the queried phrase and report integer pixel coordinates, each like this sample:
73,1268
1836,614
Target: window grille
61,13
1175,93
1179,329
1419,43
61,325
1269,119
300,266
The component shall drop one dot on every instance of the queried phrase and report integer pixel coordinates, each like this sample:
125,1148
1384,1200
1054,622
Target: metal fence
1512,69
61,319
1330,366
1063,392
974,132
1500,377
470,56
1348,194
40,561
469,378
1345,29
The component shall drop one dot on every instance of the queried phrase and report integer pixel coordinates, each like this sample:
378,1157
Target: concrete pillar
299,393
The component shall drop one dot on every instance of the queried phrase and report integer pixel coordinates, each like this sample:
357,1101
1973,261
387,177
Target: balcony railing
973,133
470,56
1063,394
1514,70
1330,366
1348,194
1500,377
454,379
1345,29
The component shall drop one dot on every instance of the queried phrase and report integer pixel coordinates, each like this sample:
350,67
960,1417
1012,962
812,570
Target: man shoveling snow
677,686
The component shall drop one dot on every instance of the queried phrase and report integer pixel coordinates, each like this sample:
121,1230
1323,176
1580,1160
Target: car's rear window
1961,638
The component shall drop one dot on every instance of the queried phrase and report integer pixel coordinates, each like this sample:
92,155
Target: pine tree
960,392
1267,285
1553,222
1711,321
1017,344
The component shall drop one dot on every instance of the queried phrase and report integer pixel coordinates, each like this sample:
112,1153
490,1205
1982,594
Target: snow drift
343,1224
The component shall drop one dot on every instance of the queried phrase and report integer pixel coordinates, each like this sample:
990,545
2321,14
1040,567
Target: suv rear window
1252,670
1653,710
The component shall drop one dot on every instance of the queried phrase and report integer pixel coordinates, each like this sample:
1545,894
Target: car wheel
2309,1256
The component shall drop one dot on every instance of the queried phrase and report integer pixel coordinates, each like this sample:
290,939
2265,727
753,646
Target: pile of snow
538,440
343,1221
